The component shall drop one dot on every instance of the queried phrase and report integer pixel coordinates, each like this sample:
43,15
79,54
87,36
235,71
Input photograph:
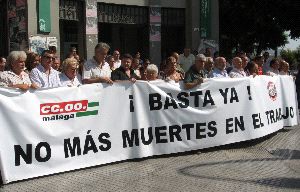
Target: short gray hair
14,56
102,46
152,68
201,57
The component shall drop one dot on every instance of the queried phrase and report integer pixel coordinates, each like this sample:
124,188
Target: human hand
107,80
133,80
23,87
34,86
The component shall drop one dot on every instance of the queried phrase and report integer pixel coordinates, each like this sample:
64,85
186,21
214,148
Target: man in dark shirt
195,75
124,72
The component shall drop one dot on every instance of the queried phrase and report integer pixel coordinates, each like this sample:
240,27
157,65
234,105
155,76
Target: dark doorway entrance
126,38
71,27
3,28
173,38
68,36
172,31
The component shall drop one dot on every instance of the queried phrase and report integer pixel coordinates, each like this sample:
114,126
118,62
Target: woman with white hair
69,76
151,72
16,77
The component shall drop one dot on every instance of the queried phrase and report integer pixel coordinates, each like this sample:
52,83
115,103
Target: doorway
71,27
127,38
172,31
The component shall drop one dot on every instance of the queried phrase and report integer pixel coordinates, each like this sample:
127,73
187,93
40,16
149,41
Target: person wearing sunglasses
44,75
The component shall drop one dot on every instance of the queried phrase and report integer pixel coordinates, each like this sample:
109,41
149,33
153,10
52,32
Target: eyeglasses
49,57
73,69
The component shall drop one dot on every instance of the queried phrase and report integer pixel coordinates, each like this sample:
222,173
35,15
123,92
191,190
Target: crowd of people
30,70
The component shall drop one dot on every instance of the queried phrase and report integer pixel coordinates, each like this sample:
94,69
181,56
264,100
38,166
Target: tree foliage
291,56
256,24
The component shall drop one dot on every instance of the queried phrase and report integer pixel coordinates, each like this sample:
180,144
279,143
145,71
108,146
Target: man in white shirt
44,76
274,67
117,59
267,59
219,70
96,70
238,70
186,60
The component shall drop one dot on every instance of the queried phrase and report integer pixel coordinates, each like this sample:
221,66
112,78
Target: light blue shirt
217,73
38,76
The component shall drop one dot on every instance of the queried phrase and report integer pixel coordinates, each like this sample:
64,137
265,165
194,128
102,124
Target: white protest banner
55,130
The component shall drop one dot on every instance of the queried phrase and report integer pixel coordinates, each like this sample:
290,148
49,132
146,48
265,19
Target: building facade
155,28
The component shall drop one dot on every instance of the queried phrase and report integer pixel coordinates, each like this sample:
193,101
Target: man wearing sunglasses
44,75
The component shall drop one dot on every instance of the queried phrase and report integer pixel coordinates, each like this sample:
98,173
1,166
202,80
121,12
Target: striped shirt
38,76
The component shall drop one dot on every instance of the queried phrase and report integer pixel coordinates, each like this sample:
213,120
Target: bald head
220,63
237,63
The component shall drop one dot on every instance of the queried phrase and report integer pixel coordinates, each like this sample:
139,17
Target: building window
112,13
68,10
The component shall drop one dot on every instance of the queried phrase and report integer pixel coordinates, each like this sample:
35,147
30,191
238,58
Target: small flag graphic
91,110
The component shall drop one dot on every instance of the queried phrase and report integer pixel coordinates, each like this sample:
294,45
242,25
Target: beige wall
32,21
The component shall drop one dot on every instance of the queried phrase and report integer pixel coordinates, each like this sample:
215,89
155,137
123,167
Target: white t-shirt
236,73
92,70
117,64
186,62
66,82
272,72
